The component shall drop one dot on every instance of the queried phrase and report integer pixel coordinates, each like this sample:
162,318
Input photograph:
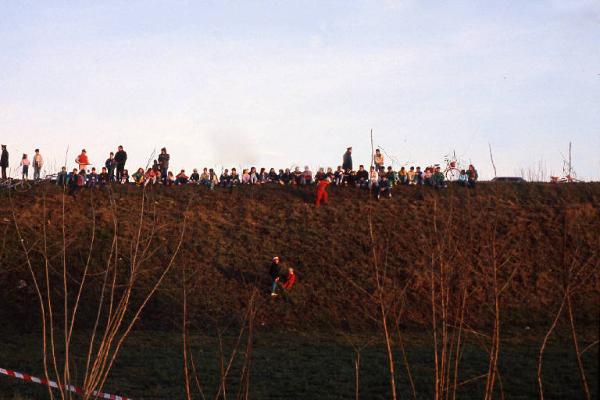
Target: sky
292,83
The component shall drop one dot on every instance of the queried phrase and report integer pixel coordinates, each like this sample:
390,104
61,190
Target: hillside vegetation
533,233
471,293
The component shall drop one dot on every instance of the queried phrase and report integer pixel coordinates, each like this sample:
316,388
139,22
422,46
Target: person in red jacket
82,160
322,195
290,279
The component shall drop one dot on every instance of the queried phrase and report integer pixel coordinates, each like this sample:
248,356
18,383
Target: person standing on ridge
82,160
120,160
38,162
347,161
378,160
275,275
110,164
4,161
25,165
163,162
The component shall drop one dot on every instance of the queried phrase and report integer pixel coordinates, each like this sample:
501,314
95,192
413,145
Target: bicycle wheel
452,174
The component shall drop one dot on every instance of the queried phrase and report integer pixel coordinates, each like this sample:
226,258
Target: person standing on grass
275,273
38,162
322,195
347,160
25,164
120,160
4,161
163,162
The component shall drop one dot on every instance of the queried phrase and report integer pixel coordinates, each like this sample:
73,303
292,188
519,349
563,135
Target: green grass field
295,366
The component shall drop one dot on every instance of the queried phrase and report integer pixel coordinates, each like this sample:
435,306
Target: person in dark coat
347,161
275,273
163,162
120,160
4,161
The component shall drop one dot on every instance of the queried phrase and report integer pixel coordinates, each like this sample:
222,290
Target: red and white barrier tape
70,388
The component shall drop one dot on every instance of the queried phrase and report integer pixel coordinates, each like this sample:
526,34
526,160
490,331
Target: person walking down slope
82,160
322,195
4,161
38,162
120,160
163,162
347,160
275,274
290,279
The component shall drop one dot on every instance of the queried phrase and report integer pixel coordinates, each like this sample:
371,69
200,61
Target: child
322,192
25,165
289,280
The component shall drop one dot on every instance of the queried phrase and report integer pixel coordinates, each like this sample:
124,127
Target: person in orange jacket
82,160
322,195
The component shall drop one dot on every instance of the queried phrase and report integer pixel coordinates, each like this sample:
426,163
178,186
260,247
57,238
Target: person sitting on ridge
307,176
320,175
438,179
205,177
151,177
338,176
92,178
195,177
181,178
225,179
103,178
362,177
463,178
235,178
472,176
138,177
385,188
297,176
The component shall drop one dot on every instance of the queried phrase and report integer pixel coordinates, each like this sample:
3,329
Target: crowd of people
378,178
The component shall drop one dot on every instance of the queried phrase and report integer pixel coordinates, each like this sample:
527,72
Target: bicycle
451,172
18,185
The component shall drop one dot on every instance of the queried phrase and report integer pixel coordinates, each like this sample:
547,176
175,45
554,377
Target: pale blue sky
281,83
